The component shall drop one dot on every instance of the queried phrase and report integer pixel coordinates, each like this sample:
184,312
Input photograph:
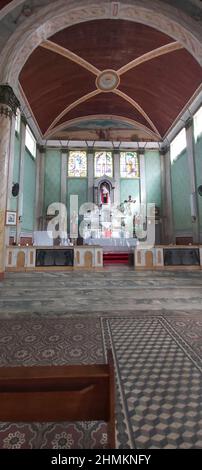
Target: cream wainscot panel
88,257
20,258
144,258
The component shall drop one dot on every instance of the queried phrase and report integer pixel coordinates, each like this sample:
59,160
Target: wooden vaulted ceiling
3,3
157,76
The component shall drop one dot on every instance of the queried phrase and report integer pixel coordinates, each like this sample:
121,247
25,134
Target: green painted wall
198,160
181,193
77,186
153,177
129,187
52,177
16,170
29,185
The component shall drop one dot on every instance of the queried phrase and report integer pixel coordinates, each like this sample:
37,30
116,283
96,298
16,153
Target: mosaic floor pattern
158,376
160,381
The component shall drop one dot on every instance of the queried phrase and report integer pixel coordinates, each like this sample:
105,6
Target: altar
113,244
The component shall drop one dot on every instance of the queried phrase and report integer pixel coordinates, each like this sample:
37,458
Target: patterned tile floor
160,381
157,353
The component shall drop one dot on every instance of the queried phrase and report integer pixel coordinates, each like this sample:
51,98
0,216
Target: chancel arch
89,98
52,18
101,212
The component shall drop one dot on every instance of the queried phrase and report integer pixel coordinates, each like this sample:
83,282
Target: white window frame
17,121
177,145
30,141
197,123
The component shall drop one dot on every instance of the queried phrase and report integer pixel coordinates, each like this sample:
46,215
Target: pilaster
168,235
192,178
143,196
21,179
8,107
117,177
90,171
63,194
39,191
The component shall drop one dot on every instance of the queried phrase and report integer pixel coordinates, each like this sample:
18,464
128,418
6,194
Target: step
115,258
116,261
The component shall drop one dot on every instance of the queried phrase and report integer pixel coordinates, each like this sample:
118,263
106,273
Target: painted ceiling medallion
108,80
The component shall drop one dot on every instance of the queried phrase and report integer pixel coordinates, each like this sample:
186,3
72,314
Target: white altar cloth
42,238
113,244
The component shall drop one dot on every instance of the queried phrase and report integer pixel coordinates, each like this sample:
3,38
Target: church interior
101,212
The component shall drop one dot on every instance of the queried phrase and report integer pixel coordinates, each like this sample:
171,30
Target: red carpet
115,258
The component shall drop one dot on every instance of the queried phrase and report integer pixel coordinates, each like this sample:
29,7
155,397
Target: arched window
103,164
129,165
77,164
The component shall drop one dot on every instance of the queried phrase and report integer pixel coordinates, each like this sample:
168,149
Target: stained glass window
77,164
129,165
103,164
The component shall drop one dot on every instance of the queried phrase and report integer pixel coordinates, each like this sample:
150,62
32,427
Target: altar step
116,258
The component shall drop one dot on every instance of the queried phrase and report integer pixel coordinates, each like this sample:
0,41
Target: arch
55,17
88,259
139,126
20,260
149,259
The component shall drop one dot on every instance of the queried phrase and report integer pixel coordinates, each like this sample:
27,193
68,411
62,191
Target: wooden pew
59,393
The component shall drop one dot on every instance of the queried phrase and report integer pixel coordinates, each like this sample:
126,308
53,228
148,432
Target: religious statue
131,200
130,214
105,197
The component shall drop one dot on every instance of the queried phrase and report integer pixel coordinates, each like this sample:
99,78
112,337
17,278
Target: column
21,178
90,169
11,163
10,175
117,178
168,235
39,191
143,195
192,178
8,107
63,194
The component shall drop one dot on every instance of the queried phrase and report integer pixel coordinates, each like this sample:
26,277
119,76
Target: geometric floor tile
160,384
158,376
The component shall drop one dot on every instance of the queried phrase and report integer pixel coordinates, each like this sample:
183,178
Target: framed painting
11,218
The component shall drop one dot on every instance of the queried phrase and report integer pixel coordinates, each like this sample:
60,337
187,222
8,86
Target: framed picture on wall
11,218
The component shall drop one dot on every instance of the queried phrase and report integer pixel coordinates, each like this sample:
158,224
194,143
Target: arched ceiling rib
157,76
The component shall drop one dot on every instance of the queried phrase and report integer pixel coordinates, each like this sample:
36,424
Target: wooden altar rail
59,393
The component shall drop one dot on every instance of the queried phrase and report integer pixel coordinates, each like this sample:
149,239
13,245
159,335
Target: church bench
59,393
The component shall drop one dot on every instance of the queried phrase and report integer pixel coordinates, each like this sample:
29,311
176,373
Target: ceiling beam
52,46
71,106
138,107
173,46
